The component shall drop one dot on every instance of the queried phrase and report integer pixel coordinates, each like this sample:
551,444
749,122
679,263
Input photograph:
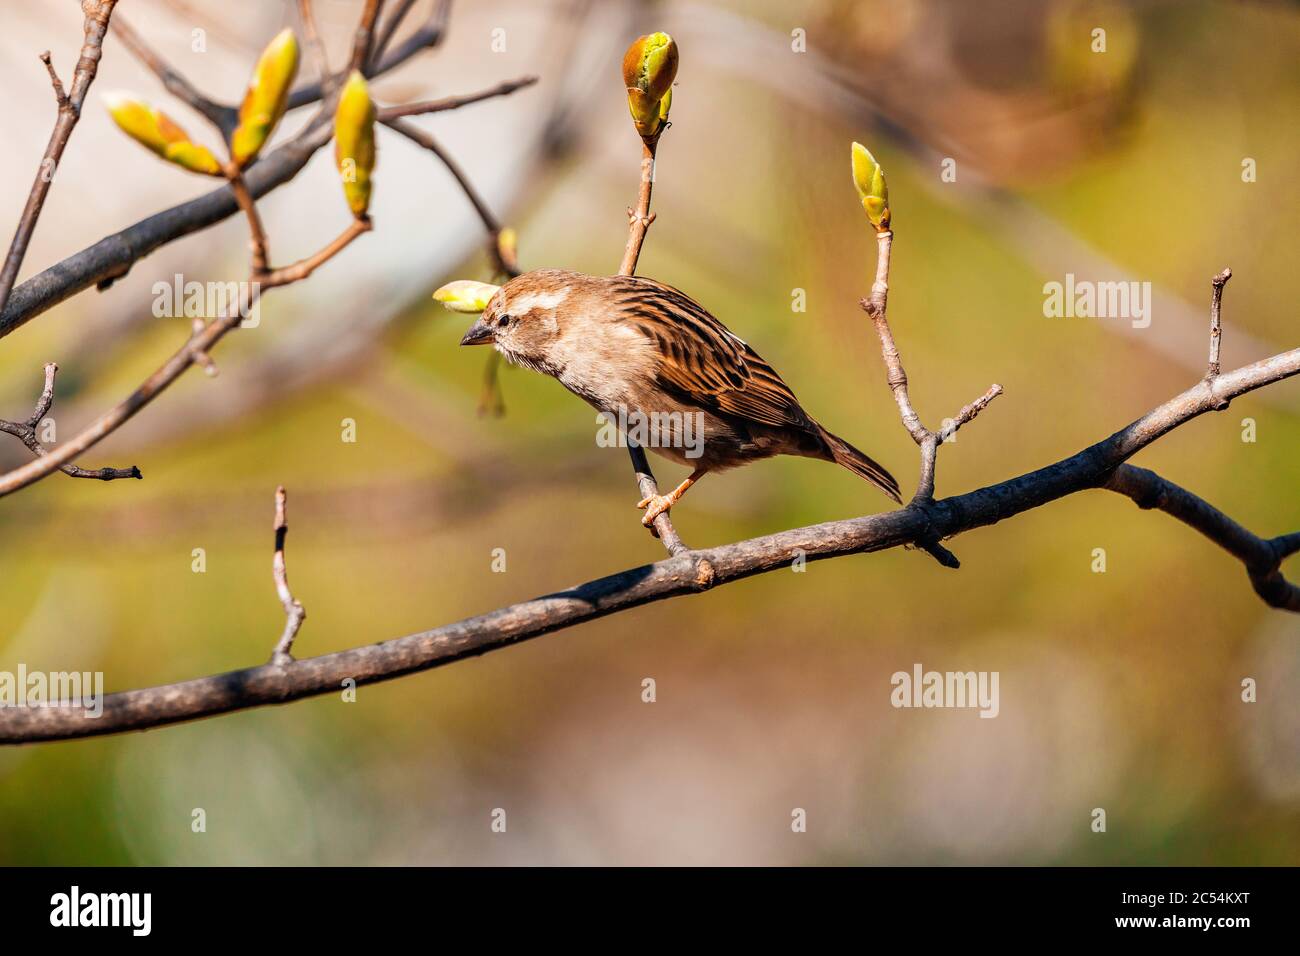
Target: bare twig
259,254
224,118
928,441
427,37
1216,328
455,102
60,96
97,13
196,351
384,35
308,17
364,34
294,612
640,218
490,222
25,432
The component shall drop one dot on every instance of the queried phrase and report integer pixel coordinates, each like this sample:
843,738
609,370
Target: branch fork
926,440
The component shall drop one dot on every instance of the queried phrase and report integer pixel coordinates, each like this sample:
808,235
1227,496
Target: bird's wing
700,361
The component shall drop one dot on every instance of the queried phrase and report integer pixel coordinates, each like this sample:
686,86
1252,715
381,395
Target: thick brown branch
97,14
687,573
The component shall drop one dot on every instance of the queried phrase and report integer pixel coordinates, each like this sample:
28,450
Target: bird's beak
480,333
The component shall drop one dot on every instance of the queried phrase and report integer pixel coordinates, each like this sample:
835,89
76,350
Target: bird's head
521,318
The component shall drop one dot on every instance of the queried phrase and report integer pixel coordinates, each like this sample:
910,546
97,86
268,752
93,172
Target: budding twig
927,441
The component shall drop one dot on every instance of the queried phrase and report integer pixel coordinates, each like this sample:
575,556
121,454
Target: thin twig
490,222
294,612
95,24
384,35
224,118
455,102
427,37
639,220
26,433
1216,328
60,97
876,307
259,252
195,351
308,17
364,33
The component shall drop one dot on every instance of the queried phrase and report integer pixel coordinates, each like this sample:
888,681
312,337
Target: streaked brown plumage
626,343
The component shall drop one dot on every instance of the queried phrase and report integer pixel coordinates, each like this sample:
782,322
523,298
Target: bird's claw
654,506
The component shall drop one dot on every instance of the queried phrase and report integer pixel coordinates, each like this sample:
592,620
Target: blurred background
1119,690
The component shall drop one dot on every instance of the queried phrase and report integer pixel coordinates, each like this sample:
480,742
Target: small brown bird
641,351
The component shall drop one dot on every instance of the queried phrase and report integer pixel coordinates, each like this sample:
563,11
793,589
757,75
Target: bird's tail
845,454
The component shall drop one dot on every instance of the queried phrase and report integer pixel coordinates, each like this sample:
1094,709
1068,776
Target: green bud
354,142
869,178
267,96
466,295
649,68
155,131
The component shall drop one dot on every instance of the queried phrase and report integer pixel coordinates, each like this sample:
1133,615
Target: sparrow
634,348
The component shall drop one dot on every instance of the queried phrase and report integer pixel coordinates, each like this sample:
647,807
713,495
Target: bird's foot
654,506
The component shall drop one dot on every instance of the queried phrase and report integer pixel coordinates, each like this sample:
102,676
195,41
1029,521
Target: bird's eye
503,321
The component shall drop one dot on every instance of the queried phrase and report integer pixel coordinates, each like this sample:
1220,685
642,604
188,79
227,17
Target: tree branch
196,351
1261,556
688,573
113,256
97,14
